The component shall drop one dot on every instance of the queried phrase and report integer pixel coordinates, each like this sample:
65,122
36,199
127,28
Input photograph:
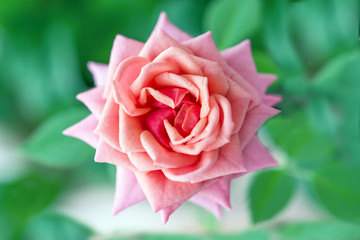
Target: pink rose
178,118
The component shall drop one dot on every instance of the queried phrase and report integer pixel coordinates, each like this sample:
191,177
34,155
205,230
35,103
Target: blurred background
50,187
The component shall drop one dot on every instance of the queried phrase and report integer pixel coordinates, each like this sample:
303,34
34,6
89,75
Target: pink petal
93,100
177,138
162,192
127,72
271,100
240,59
202,85
180,58
158,42
217,80
108,127
148,73
122,48
107,154
127,191
142,161
163,157
99,72
165,213
253,120
204,47
219,192
155,123
190,173
226,122
208,204
238,97
130,129
84,130
172,80
176,94
256,157
264,81
164,24
230,161
191,118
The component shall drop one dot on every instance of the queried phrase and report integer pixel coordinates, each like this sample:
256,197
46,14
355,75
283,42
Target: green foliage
337,188
23,199
49,147
55,227
269,193
232,21
329,230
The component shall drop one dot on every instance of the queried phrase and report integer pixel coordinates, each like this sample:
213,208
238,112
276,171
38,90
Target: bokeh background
50,188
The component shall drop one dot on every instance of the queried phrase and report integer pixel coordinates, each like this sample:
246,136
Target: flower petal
208,204
271,100
127,191
127,72
158,42
84,130
190,173
164,24
108,127
162,192
99,72
130,129
93,100
142,161
256,157
264,81
163,157
230,161
253,120
122,48
107,154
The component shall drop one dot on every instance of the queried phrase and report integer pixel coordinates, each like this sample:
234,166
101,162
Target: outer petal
162,192
142,161
230,161
271,100
253,120
207,203
108,127
105,153
127,190
84,130
264,81
164,24
256,157
93,100
99,72
157,43
122,48
165,213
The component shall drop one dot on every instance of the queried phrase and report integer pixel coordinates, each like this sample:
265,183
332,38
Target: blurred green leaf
232,21
269,193
23,199
259,234
55,227
47,145
338,189
277,38
309,147
328,230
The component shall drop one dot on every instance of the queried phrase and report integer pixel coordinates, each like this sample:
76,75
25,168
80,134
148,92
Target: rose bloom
178,118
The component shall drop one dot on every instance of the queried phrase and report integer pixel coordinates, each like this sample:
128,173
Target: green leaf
303,143
23,199
328,230
232,21
259,234
337,187
277,38
55,227
269,193
49,147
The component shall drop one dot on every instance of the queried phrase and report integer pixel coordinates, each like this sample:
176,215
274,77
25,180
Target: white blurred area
92,205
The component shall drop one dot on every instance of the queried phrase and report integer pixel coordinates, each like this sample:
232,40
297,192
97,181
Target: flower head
177,117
